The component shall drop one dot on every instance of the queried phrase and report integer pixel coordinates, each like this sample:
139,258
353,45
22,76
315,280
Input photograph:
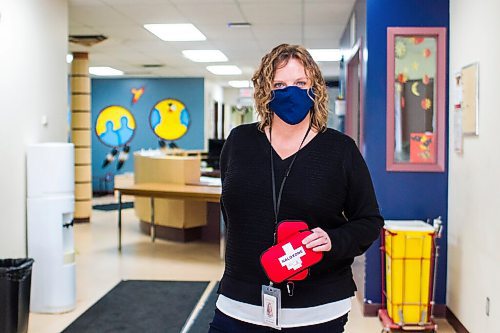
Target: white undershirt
290,317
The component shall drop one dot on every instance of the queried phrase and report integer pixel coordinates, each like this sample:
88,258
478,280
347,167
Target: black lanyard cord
287,172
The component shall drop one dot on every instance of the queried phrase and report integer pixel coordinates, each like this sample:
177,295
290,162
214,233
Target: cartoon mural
134,99
169,120
115,127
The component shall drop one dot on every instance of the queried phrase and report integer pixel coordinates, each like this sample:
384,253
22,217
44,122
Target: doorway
354,96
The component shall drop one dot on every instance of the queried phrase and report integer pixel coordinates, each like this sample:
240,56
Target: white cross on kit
292,256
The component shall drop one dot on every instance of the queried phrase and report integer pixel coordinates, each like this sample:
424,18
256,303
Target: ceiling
312,23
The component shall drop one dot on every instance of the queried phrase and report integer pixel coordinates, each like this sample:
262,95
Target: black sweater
329,180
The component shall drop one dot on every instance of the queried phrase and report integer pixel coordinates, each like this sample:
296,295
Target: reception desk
176,217
154,191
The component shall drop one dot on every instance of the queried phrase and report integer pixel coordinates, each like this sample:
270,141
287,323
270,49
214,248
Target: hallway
100,267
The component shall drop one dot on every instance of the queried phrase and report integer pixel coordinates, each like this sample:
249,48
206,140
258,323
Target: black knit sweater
329,180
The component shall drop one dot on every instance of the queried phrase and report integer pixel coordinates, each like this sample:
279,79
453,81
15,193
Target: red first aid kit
286,229
289,257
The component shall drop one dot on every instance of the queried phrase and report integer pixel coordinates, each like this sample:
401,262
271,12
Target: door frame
355,60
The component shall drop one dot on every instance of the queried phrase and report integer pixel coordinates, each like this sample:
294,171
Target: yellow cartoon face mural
169,119
115,126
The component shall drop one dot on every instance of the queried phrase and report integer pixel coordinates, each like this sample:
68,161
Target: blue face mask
291,104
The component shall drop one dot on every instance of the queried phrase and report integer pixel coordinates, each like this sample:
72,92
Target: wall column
81,135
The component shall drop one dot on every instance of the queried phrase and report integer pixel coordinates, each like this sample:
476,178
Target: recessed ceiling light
104,71
205,55
183,32
224,70
239,83
325,54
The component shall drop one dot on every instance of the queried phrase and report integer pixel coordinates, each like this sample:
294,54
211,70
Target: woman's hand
318,241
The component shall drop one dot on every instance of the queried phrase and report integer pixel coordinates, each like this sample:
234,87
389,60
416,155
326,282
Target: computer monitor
214,150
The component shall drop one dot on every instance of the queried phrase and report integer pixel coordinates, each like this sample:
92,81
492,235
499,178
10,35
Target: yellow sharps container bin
408,257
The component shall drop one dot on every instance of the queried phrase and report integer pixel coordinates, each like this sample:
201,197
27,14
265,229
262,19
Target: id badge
271,306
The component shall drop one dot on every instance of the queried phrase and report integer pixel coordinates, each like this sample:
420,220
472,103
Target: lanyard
287,172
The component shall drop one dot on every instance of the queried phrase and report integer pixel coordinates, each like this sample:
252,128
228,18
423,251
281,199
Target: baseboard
371,310
454,322
440,310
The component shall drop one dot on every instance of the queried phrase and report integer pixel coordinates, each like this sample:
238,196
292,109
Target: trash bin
409,250
15,286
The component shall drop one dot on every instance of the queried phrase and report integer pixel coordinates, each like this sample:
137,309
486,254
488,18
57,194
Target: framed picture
416,99
470,99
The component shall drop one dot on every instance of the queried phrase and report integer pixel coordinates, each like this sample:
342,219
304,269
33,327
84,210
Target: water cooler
50,205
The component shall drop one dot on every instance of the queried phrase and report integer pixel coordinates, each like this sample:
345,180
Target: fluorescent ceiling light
325,54
224,70
69,58
205,55
104,71
239,84
176,32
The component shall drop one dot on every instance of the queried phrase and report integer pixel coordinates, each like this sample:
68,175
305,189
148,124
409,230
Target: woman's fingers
318,240
322,248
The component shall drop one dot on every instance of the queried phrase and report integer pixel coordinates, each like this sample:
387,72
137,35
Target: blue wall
401,195
106,92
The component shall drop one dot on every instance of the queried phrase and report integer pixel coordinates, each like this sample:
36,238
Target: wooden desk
162,190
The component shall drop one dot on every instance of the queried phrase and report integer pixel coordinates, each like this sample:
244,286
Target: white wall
474,177
33,83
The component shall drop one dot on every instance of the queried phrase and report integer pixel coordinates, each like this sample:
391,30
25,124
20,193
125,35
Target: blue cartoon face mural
115,127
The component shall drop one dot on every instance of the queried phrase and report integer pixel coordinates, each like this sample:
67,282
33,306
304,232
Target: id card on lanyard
271,306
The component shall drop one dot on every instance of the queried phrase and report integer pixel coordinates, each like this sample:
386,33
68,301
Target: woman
328,186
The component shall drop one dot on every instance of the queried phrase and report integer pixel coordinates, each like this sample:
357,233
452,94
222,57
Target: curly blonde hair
263,84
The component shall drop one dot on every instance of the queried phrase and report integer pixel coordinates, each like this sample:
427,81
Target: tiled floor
99,267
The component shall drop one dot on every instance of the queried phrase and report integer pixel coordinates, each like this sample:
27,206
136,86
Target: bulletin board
470,100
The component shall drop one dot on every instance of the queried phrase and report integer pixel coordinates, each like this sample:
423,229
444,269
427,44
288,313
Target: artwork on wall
416,84
169,120
115,127
466,105
137,94
137,99
422,148
470,99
